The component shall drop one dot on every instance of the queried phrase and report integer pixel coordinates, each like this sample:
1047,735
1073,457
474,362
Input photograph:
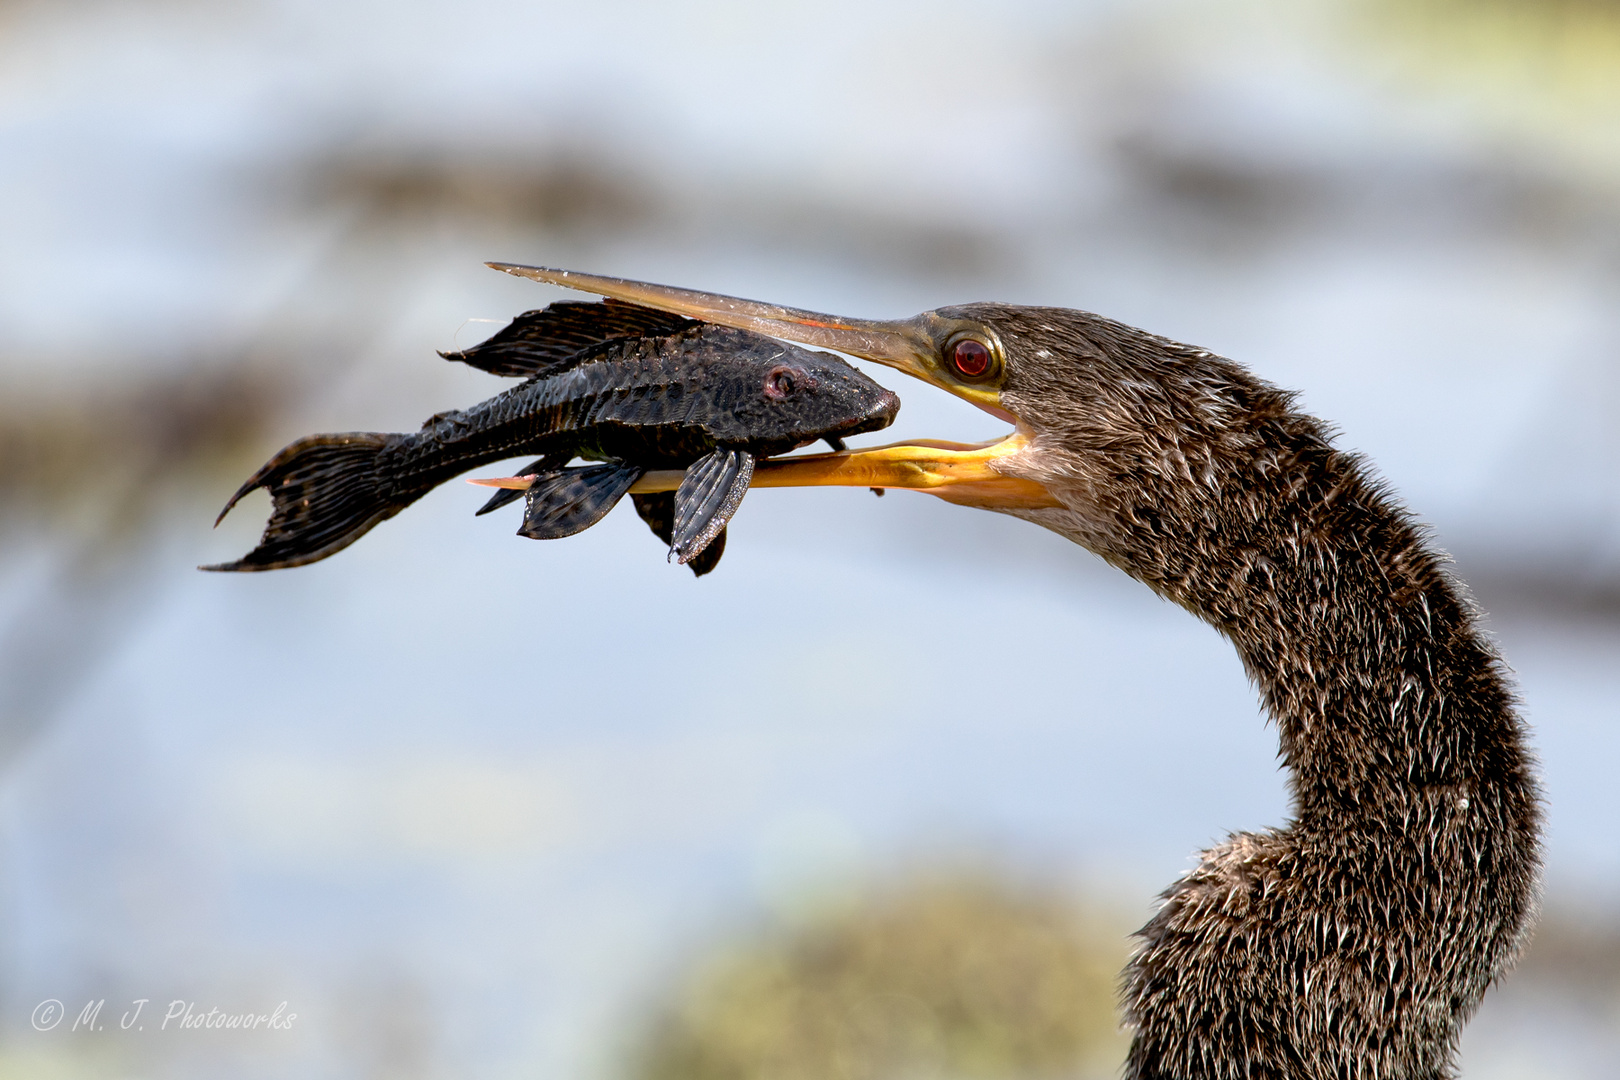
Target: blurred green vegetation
1540,68
24,1065
941,975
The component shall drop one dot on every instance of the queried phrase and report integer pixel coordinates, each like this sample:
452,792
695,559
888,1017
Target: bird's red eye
781,382
970,358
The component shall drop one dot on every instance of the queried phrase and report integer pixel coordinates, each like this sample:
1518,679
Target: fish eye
971,359
781,382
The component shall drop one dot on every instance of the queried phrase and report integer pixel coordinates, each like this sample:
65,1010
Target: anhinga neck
1355,939
1365,651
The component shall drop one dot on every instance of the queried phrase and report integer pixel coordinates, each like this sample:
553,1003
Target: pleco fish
623,386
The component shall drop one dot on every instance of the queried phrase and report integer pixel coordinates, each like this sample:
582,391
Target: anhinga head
1121,438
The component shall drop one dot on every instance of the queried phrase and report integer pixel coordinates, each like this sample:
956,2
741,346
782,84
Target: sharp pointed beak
954,471
908,345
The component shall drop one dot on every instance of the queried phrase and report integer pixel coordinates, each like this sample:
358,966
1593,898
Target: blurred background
475,806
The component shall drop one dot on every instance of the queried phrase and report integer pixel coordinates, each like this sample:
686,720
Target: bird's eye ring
970,359
781,382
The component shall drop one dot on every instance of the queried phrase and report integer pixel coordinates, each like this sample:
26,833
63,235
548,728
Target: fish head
773,396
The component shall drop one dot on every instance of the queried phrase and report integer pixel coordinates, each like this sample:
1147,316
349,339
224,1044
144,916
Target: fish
624,388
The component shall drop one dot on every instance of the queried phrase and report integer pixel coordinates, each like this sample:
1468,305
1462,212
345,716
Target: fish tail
326,492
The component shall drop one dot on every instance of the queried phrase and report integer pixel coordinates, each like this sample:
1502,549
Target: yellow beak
957,472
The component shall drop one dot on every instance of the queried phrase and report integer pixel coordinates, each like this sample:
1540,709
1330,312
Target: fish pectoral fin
709,494
657,509
539,468
572,500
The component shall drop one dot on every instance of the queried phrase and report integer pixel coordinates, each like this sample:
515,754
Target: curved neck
1356,938
1365,651
1368,659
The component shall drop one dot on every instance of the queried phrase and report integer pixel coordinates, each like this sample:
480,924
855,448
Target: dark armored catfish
626,388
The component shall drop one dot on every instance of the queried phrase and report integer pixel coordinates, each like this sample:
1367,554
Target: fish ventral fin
539,468
658,511
553,339
708,496
572,500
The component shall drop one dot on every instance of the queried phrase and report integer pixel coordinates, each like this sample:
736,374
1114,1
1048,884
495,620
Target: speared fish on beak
635,391
961,356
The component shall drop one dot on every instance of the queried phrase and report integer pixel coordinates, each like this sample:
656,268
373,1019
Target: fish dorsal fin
710,493
657,509
553,339
572,500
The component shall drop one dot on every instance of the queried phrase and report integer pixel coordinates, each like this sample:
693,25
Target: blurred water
466,801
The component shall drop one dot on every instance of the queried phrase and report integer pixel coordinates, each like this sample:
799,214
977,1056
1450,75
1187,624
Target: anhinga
1357,939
